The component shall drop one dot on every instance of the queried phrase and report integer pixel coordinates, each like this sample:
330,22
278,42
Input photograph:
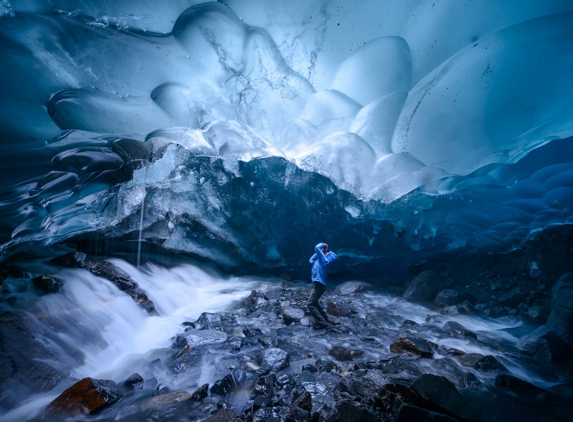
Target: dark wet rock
224,415
235,342
70,260
342,354
284,380
455,329
365,383
134,382
85,397
201,393
256,300
448,297
442,393
300,408
463,308
252,332
273,293
410,413
351,411
261,401
337,309
107,270
208,321
197,338
561,318
291,314
412,346
265,414
225,386
424,287
268,341
539,312
275,359
469,380
405,368
47,284
310,368
519,386
513,298
544,344
350,287
489,364
264,386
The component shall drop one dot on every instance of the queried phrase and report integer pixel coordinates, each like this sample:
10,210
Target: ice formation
446,124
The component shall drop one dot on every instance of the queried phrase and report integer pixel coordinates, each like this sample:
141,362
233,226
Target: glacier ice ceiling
244,131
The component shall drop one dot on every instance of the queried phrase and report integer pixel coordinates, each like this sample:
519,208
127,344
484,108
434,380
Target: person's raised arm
312,259
320,254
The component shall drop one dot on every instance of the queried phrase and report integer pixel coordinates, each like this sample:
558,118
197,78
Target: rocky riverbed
386,359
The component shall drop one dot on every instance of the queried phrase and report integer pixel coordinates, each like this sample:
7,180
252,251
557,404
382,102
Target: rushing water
111,337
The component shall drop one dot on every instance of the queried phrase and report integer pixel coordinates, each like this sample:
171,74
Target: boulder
235,342
561,318
350,287
448,297
518,385
325,365
264,386
163,402
442,393
268,341
544,344
274,359
409,413
343,354
291,315
85,397
225,386
412,346
424,287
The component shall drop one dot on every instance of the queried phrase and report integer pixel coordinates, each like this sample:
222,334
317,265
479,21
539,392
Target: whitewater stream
102,333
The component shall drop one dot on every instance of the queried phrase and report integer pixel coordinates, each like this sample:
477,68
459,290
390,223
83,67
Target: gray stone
448,297
365,383
291,315
354,286
561,318
539,312
544,344
457,330
442,393
208,321
424,287
343,354
202,337
274,359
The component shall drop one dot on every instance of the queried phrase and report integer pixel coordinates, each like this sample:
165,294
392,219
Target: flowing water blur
111,337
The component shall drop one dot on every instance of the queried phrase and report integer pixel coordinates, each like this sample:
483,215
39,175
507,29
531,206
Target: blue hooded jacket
319,263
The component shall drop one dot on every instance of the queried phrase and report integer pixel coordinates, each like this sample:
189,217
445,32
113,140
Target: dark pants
313,306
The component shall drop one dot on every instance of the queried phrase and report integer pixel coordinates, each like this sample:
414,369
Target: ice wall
415,106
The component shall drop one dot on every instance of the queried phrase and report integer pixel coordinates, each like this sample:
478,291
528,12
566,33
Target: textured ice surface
442,119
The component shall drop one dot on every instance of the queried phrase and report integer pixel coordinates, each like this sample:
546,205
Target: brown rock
85,397
343,354
225,415
412,346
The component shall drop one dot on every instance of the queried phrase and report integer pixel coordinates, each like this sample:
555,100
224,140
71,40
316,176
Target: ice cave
168,168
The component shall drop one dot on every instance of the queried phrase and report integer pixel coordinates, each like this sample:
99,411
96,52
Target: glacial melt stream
111,337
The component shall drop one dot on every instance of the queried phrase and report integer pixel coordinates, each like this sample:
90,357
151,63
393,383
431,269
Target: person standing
320,261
